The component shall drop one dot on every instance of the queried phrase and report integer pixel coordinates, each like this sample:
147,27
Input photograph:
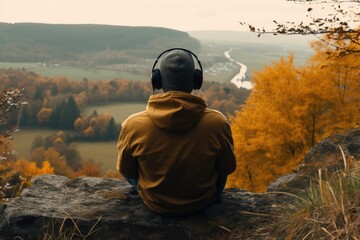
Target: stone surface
327,156
114,211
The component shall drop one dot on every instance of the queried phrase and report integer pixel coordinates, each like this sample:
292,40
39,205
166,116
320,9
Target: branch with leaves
10,100
340,26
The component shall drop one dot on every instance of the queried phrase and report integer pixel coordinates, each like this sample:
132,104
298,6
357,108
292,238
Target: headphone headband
183,49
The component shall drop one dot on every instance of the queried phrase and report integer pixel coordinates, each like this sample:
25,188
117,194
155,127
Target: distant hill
104,44
243,38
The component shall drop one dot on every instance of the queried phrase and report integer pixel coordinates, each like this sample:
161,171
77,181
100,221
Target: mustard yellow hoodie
177,148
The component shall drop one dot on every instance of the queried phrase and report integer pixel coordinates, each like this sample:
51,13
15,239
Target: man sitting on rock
177,153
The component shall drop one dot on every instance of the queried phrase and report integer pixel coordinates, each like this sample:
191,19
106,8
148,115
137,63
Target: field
216,67
24,138
103,152
75,73
255,58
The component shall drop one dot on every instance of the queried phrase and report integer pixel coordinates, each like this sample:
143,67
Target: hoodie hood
175,111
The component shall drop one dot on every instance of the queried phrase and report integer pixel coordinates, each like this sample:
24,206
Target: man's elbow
128,174
232,168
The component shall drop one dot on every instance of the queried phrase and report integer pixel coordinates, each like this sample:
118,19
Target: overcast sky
185,15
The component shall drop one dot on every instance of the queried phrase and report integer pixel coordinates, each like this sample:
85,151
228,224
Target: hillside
288,42
105,44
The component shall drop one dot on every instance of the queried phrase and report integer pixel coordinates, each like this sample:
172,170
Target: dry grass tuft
329,210
62,232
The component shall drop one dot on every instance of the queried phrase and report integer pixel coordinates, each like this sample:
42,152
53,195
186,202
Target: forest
87,44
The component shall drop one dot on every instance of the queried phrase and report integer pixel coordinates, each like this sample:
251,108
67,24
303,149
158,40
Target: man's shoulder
214,119
134,118
215,114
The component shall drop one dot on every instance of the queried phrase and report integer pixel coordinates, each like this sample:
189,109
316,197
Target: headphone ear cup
198,79
156,79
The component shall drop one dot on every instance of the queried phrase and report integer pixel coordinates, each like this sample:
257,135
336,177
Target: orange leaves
24,168
89,132
78,123
43,116
289,110
15,175
90,168
59,163
30,169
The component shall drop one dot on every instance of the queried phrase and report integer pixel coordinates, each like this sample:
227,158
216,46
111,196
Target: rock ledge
116,212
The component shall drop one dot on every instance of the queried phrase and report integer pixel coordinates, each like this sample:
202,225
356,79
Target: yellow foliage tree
29,169
289,110
59,163
24,168
90,168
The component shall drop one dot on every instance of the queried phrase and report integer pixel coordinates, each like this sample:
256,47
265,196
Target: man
177,153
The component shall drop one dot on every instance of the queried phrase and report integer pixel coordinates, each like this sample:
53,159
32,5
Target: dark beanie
177,70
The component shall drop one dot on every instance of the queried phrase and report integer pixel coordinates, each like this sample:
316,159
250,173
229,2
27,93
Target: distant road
239,79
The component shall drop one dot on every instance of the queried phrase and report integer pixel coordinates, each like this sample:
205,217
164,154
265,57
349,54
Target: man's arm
126,164
226,161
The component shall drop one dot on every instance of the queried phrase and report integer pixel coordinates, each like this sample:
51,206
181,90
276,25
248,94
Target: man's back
177,148
177,153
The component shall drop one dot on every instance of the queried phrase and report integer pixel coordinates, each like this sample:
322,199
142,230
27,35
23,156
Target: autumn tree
90,168
53,157
44,115
27,169
265,131
14,173
289,110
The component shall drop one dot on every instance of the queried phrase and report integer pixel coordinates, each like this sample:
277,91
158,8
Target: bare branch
338,26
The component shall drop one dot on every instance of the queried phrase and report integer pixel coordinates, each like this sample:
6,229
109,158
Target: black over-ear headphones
156,76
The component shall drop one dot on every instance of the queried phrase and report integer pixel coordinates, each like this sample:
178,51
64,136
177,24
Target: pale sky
185,15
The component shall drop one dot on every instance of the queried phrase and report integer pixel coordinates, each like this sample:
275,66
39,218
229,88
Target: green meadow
75,73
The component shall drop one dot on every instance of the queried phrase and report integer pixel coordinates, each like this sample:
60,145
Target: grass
66,232
329,210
